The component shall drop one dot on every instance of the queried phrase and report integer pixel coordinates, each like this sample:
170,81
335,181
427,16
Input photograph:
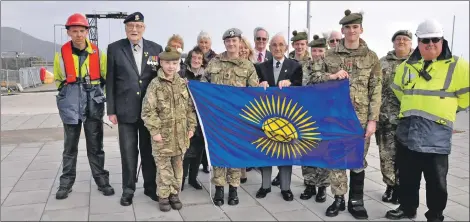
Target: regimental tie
260,57
277,64
136,48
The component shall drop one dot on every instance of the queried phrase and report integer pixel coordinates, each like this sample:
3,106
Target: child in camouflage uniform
168,113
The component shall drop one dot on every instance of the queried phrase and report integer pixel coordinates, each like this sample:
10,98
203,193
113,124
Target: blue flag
308,126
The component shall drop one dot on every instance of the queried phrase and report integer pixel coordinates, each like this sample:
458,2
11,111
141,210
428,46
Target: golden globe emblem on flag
289,131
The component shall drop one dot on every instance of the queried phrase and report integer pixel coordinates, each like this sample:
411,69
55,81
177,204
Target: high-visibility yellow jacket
59,71
437,99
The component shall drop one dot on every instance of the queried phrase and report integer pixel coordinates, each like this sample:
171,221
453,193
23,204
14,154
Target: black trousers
131,134
94,145
203,161
435,167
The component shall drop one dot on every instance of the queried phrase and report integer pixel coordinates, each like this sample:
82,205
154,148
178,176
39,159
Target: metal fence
26,77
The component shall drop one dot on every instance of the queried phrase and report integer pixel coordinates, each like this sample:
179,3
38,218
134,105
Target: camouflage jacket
232,72
313,72
390,105
304,60
365,78
168,110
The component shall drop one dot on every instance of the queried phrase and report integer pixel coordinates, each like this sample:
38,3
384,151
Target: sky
188,18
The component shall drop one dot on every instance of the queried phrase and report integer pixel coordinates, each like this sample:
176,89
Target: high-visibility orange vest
69,65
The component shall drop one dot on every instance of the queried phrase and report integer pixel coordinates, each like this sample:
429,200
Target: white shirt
275,61
137,51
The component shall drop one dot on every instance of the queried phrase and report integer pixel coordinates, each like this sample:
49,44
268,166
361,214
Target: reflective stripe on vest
426,115
67,63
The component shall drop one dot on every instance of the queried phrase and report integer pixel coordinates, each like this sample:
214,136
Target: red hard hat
77,19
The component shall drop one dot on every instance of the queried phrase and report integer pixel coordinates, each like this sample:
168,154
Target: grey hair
257,29
334,31
203,35
279,34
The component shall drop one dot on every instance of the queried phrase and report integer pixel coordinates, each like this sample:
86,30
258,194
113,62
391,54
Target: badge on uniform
153,61
146,54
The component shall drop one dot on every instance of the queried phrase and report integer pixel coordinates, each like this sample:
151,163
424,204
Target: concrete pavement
31,149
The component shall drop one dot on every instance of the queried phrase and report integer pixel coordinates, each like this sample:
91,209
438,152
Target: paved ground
31,148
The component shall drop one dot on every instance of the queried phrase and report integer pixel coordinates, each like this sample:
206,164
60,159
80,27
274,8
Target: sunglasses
261,39
428,40
334,40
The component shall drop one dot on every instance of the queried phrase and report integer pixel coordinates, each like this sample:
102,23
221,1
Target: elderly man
281,72
79,70
261,37
129,73
353,59
221,70
385,135
432,85
334,38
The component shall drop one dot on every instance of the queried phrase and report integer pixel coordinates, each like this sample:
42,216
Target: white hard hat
430,29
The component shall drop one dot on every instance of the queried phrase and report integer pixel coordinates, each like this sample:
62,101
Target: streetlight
288,28
61,34
55,45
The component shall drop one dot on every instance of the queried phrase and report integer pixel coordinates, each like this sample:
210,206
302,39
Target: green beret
233,32
318,42
170,54
402,32
299,36
351,18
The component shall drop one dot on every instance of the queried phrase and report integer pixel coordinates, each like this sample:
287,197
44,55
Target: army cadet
354,60
229,69
169,115
385,135
315,176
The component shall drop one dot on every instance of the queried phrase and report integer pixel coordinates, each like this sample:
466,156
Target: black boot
321,195
219,196
356,195
337,206
395,195
400,213
387,196
63,193
232,195
308,193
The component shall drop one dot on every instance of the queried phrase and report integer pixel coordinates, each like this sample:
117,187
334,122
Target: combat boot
175,202
164,204
337,206
321,195
219,196
308,193
356,195
232,195
395,198
387,196
63,193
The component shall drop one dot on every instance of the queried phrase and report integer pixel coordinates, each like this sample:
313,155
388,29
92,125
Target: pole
21,40
452,45
308,20
288,28
55,47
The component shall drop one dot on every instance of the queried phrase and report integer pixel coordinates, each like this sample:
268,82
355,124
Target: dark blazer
290,70
268,56
125,88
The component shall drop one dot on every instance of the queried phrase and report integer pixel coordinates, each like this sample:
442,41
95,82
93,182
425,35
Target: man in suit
282,72
130,71
261,37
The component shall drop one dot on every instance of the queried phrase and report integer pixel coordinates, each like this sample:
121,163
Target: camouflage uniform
232,72
385,134
304,62
168,110
365,78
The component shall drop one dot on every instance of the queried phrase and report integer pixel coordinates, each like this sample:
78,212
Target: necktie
277,64
260,57
135,47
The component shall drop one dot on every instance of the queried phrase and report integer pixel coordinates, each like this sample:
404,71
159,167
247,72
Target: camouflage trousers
316,176
339,178
169,175
223,175
385,138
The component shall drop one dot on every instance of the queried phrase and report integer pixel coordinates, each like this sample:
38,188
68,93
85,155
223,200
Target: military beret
402,32
170,54
351,18
134,17
299,36
318,42
233,32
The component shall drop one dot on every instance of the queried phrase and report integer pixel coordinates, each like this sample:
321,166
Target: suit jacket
290,70
125,87
267,57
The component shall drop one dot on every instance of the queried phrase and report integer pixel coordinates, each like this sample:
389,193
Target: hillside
31,46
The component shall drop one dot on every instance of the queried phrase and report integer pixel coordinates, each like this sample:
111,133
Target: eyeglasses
261,39
137,26
428,40
334,40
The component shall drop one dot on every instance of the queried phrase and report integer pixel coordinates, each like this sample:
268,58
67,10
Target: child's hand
157,138
190,134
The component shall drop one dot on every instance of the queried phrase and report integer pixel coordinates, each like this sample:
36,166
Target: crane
93,21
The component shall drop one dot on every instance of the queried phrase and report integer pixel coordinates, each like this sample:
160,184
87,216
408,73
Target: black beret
134,17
